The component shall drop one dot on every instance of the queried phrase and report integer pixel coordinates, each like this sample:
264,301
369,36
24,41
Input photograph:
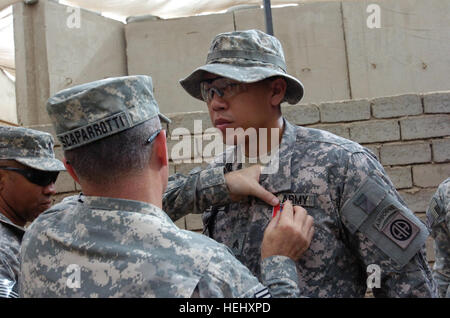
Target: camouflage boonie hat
245,56
29,147
86,113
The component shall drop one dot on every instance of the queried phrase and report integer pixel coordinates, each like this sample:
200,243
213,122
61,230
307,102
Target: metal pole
268,17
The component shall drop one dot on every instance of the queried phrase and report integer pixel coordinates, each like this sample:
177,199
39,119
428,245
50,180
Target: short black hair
105,160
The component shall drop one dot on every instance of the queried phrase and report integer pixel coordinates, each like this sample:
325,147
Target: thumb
273,222
261,193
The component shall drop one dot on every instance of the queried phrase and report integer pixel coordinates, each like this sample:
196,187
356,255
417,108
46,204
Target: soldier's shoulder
444,188
63,206
439,206
207,245
9,235
323,139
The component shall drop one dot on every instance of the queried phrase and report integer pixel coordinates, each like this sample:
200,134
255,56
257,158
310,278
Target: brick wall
410,134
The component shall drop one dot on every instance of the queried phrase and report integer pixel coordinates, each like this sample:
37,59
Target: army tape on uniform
95,131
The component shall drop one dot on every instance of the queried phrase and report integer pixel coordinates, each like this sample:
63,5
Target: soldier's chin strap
12,211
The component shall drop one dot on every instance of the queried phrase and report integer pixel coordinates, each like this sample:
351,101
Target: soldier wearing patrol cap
360,219
28,171
114,240
438,221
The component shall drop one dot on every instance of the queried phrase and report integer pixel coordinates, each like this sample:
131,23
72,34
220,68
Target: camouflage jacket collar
5,220
115,204
280,180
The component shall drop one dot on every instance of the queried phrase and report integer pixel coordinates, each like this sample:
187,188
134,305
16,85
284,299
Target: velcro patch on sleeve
378,214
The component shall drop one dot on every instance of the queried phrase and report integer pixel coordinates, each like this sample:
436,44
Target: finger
287,215
261,193
255,172
310,233
300,215
308,224
273,223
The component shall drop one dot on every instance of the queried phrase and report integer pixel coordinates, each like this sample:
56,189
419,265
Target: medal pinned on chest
277,209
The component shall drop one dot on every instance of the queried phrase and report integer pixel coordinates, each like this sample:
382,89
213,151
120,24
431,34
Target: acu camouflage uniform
109,247
438,219
354,206
125,248
359,218
10,239
35,150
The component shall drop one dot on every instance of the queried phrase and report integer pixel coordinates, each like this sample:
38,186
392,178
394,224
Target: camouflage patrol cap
245,56
86,113
29,147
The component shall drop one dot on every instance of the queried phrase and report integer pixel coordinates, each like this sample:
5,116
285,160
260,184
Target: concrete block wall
52,54
327,45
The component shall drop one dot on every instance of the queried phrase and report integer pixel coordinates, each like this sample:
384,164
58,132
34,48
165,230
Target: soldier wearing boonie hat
116,234
438,222
360,218
245,57
28,171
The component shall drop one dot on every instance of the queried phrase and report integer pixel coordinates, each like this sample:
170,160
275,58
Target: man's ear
70,170
160,149
278,87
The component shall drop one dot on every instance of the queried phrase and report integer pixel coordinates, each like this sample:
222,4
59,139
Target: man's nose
49,189
217,103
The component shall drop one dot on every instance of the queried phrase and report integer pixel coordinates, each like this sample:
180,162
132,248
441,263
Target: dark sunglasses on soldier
41,178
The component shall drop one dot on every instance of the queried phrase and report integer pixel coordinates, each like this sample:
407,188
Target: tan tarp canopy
121,9
166,9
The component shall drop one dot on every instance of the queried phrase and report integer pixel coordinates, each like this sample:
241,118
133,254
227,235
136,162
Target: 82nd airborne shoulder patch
398,228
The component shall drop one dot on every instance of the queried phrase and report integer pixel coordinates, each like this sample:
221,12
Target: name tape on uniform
94,131
302,199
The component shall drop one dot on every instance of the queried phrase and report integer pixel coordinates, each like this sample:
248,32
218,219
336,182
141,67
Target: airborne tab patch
302,199
95,131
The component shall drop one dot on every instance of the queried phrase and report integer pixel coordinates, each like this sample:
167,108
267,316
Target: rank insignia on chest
302,199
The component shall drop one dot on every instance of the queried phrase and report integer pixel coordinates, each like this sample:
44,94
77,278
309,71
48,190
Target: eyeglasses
153,136
41,178
224,87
